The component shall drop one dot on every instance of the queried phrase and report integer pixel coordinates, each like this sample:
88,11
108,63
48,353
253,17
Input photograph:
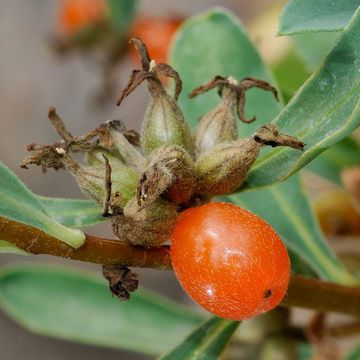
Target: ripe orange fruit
229,260
74,15
156,33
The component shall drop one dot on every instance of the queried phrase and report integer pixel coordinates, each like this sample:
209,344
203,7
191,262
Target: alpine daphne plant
143,182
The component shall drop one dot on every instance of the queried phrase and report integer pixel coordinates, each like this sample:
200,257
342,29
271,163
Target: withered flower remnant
219,124
164,122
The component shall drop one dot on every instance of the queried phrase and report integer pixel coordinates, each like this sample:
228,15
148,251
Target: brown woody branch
303,292
95,250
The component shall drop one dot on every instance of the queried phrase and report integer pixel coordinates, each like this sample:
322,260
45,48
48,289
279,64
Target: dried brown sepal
59,125
150,71
168,71
107,186
143,52
103,131
122,281
136,78
238,89
270,135
217,81
133,137
46,156
73,143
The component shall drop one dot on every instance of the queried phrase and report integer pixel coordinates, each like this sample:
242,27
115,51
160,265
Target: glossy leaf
216,43
206,342
316,15
331,162
122,13
78,306
286,208
72,212
323,112
18,203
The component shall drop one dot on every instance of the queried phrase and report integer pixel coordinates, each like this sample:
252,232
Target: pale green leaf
205,343
300,16
323,112
18,203
79,307
72,212
313,47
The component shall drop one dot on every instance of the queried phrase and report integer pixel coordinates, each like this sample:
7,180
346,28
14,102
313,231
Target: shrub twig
325,296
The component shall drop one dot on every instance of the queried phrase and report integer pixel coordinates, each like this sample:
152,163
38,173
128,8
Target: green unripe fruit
218,125
222,169
164,123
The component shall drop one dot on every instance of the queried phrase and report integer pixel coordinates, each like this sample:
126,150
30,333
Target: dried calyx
164,123
121,280
142,182
219,124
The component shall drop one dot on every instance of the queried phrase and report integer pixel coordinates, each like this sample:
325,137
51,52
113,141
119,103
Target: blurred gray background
32,79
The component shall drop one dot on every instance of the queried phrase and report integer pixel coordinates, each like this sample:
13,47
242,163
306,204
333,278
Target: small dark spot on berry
267,293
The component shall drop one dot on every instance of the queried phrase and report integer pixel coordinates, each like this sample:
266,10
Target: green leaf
323,112
216,43
300,16
8,248
122,14
286,208
313,47
294,65
333,161
353,355
205,343
18,203
72,212
308,50
78,306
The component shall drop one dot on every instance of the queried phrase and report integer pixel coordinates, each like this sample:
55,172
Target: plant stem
95,250
322,296
303,292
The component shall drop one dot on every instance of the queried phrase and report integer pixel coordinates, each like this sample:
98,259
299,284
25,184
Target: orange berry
156,33
74,15
229,260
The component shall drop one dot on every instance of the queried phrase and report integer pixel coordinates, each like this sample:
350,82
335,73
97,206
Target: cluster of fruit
156,186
